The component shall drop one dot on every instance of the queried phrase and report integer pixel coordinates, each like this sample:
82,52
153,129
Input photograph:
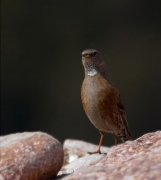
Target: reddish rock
139,159
30,156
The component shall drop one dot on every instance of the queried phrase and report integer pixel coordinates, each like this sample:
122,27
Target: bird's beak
86,55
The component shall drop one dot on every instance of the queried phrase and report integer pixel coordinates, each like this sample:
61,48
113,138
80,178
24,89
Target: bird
101,100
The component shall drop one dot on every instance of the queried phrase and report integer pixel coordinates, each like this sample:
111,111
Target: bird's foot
99,152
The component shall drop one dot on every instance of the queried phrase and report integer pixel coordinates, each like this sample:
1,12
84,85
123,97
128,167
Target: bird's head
92,60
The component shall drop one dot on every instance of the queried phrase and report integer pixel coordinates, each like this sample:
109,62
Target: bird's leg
115,139
99,146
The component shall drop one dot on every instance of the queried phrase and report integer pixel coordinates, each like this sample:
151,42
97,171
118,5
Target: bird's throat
91,72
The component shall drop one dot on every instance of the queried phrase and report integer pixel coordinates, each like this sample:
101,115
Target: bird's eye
94,53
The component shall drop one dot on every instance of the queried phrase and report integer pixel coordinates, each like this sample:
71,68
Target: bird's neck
91,72
101,70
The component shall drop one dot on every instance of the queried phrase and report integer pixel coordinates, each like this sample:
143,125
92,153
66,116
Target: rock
87,160
74,149
139,159
30,156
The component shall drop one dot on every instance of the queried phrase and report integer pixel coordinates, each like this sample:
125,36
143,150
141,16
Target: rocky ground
39,156
139,159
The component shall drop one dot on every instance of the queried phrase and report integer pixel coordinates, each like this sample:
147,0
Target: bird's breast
95,89
97,97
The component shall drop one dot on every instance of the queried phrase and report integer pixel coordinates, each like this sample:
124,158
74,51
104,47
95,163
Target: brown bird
101,100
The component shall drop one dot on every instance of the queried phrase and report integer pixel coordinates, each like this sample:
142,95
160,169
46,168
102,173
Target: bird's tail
125,135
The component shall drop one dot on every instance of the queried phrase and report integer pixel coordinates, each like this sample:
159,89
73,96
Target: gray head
92,61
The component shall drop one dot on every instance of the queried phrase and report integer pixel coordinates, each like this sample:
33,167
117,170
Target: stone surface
75,149
30,156
139,159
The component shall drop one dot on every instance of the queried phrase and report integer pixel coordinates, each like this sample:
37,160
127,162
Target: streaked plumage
101,100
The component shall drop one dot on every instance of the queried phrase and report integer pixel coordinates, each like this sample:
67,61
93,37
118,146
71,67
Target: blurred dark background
42,73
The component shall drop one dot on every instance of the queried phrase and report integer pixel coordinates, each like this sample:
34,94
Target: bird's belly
94,114
95,103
